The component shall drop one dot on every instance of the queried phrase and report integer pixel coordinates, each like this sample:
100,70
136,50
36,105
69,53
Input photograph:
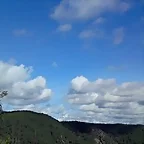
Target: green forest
27,127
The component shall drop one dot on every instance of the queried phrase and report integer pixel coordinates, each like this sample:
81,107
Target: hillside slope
109,133
24,127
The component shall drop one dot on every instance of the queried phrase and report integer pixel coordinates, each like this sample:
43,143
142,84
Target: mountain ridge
33,127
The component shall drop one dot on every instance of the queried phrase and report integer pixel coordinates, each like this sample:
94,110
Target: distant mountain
109,133
26,127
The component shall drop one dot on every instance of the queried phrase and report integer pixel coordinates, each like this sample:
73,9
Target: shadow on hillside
114,129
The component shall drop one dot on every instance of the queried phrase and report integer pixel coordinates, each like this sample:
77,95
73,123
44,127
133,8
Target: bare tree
2,94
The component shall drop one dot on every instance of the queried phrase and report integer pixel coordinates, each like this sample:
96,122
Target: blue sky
104,43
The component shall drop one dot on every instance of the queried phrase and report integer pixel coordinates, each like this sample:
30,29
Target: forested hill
24,127
114,129
120,133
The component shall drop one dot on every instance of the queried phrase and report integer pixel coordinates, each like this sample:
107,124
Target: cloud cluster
54,110
87,9
102,100
106,101
21,88
69,11
25,92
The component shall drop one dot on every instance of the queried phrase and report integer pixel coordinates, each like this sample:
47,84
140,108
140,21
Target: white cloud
20,32
82,98
21,88
46,109
106,101
87,9
54,64
78,82
99,20
56,111
81,84
26,93
64,28
118,34
102,100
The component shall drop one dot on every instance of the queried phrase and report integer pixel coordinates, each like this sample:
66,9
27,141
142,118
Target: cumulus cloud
64,28
102,100
83,9
22,89
118,35
25,92
106,101
46,109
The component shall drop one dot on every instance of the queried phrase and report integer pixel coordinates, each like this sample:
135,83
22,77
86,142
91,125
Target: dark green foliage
109,133
24,127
